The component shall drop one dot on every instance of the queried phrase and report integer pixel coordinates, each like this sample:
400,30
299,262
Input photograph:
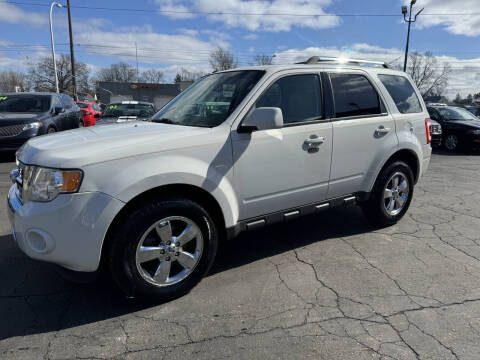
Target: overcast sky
171,34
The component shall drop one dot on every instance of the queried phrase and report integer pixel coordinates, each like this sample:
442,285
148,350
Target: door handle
381,130
314,141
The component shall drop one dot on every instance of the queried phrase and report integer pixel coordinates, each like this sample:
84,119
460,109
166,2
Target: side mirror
264,118
96,116
58,110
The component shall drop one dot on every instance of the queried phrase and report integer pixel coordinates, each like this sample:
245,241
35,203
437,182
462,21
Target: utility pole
136,57
409,21
72,56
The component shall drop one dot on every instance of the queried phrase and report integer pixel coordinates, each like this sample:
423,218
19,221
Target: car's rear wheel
451,142
163,249
51,130
391,195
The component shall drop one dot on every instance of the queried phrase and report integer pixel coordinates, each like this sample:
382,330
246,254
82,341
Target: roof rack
318,59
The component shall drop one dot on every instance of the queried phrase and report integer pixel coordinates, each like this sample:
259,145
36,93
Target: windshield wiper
164,121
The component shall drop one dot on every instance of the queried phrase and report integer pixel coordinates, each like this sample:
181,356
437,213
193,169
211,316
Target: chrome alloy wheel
396,193
451,142
169,251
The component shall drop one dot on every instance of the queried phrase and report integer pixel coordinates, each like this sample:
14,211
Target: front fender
136,175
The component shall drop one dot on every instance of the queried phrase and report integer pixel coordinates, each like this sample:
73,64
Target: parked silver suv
238,150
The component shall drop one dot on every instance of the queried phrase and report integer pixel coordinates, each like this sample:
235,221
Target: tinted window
18,104
354,96
299,97
82,105
138,110
402,93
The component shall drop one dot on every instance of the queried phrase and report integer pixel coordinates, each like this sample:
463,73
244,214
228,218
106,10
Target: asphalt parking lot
325,287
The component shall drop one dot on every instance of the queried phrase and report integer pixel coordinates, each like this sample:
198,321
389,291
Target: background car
126,111
25,115
475,110
460,128
89,109
436,134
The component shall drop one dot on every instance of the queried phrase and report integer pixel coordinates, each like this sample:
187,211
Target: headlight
435,130
42,184
34,125
475,132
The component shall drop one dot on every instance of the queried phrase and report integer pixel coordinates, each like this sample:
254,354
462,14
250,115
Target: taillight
428,122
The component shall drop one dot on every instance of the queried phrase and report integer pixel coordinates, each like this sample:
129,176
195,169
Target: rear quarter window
402,93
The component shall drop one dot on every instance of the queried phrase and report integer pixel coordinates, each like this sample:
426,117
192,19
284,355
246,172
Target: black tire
81,124
375,208
51,130
451,142
122,252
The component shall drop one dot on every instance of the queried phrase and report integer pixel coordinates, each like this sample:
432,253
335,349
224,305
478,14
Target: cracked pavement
322,287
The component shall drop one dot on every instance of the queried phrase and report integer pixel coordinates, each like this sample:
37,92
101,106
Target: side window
96,107
299,97
403,93
354,95
57,102
67,101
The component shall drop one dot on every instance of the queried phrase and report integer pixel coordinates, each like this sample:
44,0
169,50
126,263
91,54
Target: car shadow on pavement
7,156
456,153
35,298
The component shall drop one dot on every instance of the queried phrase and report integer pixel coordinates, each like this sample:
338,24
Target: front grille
11,130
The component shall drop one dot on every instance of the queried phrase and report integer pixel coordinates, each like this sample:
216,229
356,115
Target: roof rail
318,59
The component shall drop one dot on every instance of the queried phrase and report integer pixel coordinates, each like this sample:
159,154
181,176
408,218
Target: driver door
275,169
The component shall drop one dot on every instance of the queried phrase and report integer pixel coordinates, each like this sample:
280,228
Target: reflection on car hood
8,118
80,147
472,124
120,119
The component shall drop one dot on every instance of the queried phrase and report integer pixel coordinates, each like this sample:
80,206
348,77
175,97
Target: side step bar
291,214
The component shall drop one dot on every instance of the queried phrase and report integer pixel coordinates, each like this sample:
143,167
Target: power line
219,13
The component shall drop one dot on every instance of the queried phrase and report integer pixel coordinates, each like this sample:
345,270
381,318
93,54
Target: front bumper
68,231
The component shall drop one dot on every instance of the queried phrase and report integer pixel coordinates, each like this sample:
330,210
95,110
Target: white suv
238,150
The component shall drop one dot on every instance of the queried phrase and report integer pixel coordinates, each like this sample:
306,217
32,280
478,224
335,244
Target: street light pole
409,21
53,44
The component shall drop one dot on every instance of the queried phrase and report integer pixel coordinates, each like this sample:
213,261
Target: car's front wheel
163,249
391,195
451,142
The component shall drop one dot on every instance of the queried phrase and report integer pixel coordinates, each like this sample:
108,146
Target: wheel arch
409,157
192,192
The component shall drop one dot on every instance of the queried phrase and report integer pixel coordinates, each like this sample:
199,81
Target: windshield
137,110
209,101
24,104
452,114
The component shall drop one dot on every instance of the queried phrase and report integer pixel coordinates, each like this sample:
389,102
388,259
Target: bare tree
222,59
151,76
11,81
262,59
41,75
186,75
120,72
430,77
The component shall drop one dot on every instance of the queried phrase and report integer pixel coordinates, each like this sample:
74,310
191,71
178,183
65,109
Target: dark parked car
25,115
460,128
475,110
126,111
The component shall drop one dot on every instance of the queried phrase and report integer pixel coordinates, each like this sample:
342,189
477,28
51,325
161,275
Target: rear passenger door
363,133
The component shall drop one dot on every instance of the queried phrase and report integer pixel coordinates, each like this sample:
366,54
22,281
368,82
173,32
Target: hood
8,118
84,146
